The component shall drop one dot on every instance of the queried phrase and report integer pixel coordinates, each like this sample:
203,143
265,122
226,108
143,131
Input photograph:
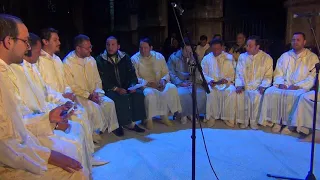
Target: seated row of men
52,111
37,140
248,92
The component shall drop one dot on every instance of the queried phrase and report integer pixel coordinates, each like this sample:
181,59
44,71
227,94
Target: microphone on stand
179,8
306,15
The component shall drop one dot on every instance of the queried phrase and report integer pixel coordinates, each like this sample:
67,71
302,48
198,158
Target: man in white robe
161,96
22,156
253,75
79,64
202,47
292,77
51,69
302,115
35,96
36,115
219,71
180,76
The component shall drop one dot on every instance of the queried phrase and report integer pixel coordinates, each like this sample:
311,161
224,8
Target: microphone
179,8
306,15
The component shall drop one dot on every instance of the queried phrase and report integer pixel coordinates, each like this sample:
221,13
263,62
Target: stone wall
204,19
301,24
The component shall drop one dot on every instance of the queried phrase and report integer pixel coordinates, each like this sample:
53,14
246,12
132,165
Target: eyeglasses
23,40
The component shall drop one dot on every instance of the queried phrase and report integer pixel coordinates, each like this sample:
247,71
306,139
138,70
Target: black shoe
138,129
118,132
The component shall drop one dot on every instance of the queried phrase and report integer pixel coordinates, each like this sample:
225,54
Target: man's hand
222,81
152,84
95,97
132,91
185,84
70,96
212,83
56,115
69,105
62,126
293,87
282,86
162,84
65,162
121,91
239,89
261,89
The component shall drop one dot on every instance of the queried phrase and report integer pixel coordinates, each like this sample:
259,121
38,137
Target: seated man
291,79
239,47
82,75
181,77
302,116
22,155
103,116
253,76
202,47
161,97
219,71
79,63
35,97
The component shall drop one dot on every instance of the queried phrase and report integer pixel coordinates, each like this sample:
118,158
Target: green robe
130,107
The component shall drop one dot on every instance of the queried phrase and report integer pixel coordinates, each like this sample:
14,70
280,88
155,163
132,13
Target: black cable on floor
204,140
205,146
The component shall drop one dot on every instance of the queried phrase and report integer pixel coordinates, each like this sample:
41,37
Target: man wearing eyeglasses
22,156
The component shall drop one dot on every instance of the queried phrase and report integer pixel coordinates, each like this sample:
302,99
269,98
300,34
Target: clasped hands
285,87
159,86
185,84
221,81
94,97
240,89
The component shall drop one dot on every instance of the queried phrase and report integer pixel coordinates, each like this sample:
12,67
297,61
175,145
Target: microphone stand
194,65
314,35
310,175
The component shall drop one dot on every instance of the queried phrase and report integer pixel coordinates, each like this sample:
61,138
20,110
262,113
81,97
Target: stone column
163,16
111,5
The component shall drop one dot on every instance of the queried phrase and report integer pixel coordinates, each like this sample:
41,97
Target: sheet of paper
135,87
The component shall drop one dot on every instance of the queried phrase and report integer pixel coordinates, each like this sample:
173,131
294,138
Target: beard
113,54
57,49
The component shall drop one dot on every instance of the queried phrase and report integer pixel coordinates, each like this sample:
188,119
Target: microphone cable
197,111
